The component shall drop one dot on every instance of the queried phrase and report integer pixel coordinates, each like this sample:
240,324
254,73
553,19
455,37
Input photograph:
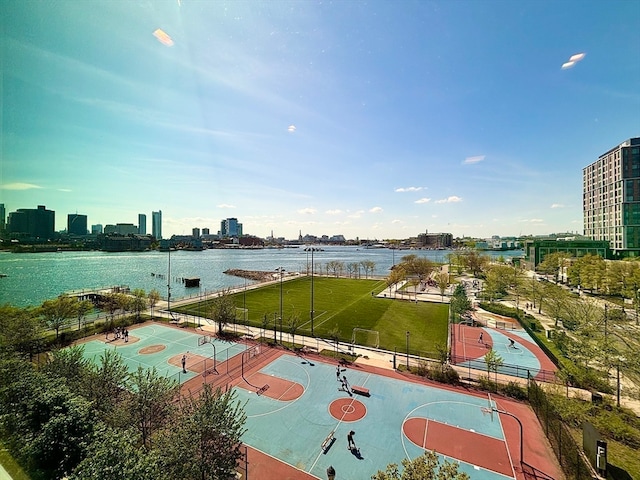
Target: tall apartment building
76,224
142,224
229,227
3,217
96,229
611,198
156,224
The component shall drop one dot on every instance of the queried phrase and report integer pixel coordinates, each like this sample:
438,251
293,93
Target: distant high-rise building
205,231
229,227
611,198
96,229
195,232
76,224
32,222
3,218
156,224
142,224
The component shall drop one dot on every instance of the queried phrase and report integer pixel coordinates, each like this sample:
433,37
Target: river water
35,277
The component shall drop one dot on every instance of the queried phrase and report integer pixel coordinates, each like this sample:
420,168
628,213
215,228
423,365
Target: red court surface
486,452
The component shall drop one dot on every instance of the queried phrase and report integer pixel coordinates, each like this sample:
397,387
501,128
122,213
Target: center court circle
347,409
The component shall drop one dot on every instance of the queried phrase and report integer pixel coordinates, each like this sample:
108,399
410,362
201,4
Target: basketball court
299,410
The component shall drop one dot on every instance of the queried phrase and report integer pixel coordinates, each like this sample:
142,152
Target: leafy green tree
223,309
396,275
498,280
153,297
84,307
476,262
553,264
425,467
293,324
56,313
20,331
116,454
70,365
211,424
493,360
418,267
557,301
460,303
139,301
442,281
150,403
109,382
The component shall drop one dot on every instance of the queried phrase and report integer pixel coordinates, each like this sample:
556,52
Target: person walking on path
338,372
480,340
331,473
184,364
351,443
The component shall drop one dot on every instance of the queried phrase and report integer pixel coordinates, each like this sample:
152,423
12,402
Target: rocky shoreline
257,275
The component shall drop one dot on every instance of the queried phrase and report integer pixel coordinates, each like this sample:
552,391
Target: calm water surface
35,277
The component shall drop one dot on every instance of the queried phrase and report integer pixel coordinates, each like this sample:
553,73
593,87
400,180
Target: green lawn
345,304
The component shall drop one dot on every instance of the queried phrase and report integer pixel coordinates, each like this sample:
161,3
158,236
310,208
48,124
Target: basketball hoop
487,411
204,339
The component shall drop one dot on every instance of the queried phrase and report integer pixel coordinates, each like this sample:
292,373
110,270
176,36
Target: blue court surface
172,341
293,431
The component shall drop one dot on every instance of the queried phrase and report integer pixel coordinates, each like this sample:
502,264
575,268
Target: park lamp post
408,334
311,249
281,271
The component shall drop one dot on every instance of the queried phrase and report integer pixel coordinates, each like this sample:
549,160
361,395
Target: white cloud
423,200
451,199
557,205
307,211
19,186
408,189
337,211
291,128
573,60
396,221
472,160
357,214
375,210
226,205
65,190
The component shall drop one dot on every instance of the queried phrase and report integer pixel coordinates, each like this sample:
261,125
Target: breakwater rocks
251,274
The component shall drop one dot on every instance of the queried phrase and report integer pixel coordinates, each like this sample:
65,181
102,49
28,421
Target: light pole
311,249
408,334
281,271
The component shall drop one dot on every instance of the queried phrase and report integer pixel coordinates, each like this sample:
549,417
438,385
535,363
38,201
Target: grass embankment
342,304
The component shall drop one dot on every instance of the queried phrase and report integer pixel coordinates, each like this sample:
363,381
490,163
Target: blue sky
377,119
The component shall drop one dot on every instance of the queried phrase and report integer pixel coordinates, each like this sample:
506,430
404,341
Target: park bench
360,390
327,442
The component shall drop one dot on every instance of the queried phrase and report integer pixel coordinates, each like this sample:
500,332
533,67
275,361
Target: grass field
344,304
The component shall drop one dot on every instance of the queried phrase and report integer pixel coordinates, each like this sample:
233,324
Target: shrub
514,390
487,384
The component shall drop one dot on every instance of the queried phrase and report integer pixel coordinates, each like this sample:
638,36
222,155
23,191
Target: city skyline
361,119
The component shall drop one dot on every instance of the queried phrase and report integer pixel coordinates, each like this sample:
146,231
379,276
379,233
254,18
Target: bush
617,427
514,390
444,374
487,384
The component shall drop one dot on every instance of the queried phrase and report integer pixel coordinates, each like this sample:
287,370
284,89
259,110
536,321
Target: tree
499,279
368,266
396,276
116,454
460,303
476,262
335,266
211,425
154,297
71,365
493,361
139,301
553,264
556,300
442,281
20,331
425,467
150,402
223,309
294,323
419,267
57,312
334,334
84,307
109,382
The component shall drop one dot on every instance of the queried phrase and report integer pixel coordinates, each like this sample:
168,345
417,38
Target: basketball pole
520,424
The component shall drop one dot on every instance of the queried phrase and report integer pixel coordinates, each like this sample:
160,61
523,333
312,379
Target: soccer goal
367,338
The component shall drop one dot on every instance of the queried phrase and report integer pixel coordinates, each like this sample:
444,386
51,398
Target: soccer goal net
367,338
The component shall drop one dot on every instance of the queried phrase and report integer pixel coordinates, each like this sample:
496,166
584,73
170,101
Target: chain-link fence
568,452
